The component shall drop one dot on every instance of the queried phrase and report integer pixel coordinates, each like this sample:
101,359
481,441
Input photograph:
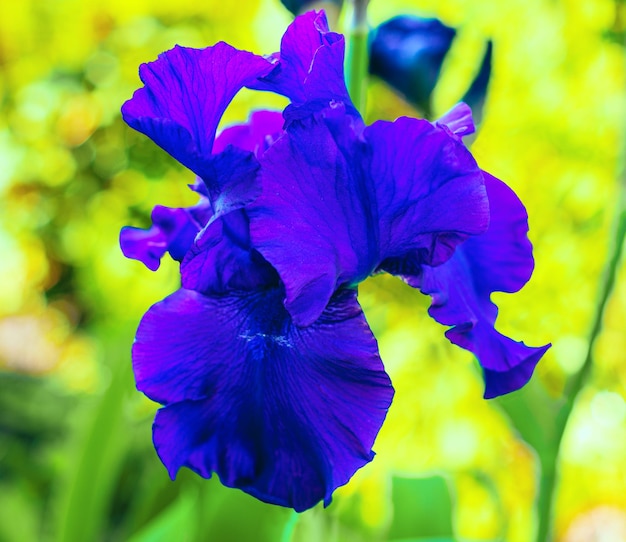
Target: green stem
358,56
549,465
290,527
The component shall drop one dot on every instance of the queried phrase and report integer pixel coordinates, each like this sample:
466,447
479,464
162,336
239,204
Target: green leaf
535,416
176,523
89,484
230,514
422,508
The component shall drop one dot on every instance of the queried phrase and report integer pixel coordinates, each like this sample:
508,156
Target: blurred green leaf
19,521
540,420
422,507
535,416
176,523
219,509
98,457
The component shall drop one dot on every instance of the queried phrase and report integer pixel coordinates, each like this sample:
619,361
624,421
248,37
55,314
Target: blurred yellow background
75,448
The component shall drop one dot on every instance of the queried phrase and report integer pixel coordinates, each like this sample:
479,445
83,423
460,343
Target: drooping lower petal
284,413
498,260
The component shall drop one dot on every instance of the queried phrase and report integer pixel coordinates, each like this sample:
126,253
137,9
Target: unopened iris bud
407,52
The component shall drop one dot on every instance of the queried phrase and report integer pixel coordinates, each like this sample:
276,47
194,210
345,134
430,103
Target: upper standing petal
334,208
498,260
231,174
283,413
309,70
310,222
429,190
222,260
185,93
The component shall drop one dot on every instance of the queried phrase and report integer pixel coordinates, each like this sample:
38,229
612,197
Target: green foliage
422,508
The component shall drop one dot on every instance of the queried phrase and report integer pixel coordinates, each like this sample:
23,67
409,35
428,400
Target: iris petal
221,259
498,260
303,221
332,212
309,69
185,94
172,230
430,192
255,136
283,413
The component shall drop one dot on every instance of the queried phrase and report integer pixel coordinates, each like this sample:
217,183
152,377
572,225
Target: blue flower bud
407,52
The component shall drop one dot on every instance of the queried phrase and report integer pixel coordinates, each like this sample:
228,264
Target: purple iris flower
263,361
284,413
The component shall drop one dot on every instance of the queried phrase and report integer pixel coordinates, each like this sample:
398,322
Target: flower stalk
358,55
546,498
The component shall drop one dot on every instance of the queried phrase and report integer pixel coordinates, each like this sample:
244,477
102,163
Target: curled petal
430,192
147,246
172,230
458,120
184,96
283,413
309,70
498,260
